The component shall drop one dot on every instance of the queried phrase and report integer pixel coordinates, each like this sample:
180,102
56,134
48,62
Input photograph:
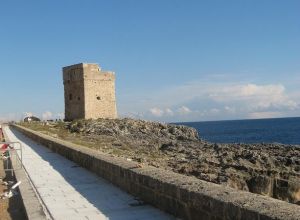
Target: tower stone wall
89,92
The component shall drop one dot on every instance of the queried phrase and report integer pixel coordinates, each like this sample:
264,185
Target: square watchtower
89,92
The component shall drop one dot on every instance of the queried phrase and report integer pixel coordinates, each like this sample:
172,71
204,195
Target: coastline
267,169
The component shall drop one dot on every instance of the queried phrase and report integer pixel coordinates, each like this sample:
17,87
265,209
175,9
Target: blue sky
174,60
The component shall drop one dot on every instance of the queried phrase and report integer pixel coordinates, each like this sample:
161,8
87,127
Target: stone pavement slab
71,192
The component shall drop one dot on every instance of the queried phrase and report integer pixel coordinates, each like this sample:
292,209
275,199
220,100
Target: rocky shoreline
267,169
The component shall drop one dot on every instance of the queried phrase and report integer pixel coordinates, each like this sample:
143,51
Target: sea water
279,130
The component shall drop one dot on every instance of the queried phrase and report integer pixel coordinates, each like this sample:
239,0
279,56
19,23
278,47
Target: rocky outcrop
267,169
134,129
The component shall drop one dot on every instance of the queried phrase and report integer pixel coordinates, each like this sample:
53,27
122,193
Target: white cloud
156,112
214,111
169,112
214,99
257,115
47,115
183,110
28,114
136,115
230,110
60,115
255,97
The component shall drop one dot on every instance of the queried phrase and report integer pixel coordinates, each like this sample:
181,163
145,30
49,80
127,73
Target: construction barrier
8,150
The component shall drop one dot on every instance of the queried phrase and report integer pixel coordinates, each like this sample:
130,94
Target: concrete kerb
180,195
32,204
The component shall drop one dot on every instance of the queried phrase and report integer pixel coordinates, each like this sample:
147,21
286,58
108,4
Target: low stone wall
183,196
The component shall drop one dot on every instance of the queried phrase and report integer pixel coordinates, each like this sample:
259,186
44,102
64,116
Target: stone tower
89,92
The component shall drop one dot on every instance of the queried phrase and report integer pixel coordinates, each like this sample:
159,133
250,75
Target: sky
174,60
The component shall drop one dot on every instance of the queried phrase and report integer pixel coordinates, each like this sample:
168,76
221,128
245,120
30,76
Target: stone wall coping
194,195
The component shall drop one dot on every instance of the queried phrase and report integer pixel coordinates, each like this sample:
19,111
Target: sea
276,130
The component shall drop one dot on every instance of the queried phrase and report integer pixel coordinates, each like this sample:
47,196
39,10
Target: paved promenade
71,192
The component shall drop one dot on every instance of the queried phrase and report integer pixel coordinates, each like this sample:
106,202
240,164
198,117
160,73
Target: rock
136,129
261,185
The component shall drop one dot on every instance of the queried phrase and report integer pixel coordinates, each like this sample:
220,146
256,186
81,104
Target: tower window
78,98
70,96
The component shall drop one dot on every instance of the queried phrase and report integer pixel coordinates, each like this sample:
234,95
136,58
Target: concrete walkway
71,192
